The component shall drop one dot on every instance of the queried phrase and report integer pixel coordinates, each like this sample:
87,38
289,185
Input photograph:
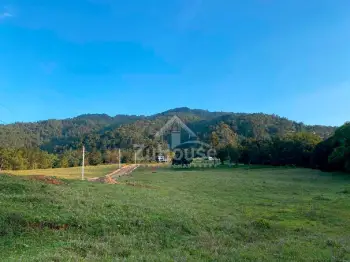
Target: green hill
51,134
250,138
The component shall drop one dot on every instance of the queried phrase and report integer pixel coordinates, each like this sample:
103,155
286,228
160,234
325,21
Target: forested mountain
47,134
101,131
251,138
203,123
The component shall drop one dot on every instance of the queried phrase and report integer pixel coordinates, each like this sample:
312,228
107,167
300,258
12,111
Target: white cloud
5,13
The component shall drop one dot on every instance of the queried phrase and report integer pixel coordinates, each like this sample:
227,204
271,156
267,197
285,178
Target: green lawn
68,173
268,214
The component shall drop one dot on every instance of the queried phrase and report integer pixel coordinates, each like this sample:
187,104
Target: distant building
175,139
174,127
161,159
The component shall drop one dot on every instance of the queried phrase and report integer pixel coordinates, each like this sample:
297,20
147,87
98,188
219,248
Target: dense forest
334,153
237,137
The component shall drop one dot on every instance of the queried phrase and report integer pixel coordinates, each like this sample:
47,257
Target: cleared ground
68,173
179,215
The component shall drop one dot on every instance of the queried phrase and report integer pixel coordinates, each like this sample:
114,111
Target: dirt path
111,178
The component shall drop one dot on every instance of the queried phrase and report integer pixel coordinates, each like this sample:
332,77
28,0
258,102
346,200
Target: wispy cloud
5,13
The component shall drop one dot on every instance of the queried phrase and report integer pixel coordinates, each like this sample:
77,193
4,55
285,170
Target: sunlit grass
237,214
68,173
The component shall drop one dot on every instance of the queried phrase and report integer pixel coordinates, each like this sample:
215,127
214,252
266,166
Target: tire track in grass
111,178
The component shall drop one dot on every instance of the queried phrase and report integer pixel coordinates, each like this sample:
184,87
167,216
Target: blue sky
62,58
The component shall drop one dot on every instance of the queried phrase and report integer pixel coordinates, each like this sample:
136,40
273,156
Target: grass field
68,173
270,214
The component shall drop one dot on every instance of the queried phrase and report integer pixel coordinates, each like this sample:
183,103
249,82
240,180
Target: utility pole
83,165
119,157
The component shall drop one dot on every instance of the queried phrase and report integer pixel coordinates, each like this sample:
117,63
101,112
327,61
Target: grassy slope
68,173
221,214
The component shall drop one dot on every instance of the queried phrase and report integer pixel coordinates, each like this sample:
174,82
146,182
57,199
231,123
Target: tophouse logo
175,124
183,150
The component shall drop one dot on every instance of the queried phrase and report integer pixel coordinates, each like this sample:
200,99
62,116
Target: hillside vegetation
236,137
104,131
334,153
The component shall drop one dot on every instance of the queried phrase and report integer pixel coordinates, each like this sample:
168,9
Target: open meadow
67,173
237,214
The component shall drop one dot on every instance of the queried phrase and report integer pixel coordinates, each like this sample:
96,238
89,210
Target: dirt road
111,178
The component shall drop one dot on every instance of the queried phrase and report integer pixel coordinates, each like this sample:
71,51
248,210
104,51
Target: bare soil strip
111,178
46,179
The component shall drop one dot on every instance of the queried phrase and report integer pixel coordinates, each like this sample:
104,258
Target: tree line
28,159
302,149
291,149
334,153
236,137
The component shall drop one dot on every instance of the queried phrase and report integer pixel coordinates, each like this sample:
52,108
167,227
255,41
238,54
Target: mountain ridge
166,112
71,132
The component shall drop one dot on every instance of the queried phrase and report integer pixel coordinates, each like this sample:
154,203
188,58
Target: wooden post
83,165
119,157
